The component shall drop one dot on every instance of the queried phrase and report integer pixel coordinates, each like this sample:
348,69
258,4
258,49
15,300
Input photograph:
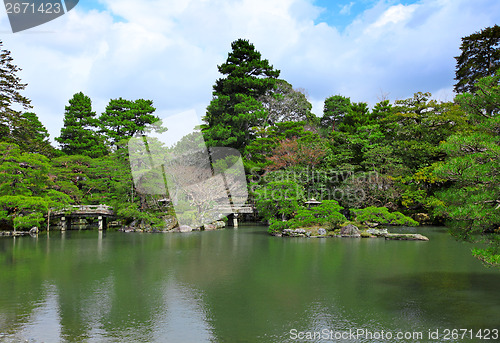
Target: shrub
382,215
327,214
278,226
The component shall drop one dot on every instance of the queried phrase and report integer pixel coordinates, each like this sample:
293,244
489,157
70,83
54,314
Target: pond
242,285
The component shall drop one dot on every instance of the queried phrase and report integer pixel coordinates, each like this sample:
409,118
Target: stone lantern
312,203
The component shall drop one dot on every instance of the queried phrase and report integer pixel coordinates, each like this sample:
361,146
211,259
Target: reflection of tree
241,285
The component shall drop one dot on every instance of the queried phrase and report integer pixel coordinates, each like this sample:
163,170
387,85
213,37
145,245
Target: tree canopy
235,107
480,57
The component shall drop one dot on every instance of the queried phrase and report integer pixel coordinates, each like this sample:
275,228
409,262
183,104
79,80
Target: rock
170,222
406,237
209,227
293,233
220,224
321,232
350,231
184,228
34,230
377,232
372,225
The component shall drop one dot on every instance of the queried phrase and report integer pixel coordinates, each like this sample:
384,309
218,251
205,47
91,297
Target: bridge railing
84,209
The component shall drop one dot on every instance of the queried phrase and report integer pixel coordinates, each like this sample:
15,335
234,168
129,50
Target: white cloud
393,15
168,51
346,9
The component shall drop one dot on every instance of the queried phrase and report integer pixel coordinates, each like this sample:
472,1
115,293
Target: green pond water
241,285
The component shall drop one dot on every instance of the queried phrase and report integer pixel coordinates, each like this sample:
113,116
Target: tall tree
79,135
283,103
11,100
124,118
31,136
473,169
480,57
235,107
336,108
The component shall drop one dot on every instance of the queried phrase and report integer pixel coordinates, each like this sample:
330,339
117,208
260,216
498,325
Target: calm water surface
239,286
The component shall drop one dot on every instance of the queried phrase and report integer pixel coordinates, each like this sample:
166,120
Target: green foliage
480,57
473,167
382,215
22,212
10,96
22,173
336,108
277,226
235,108
31,136
79,135
278,199
283,104
326,214
124,118
489,256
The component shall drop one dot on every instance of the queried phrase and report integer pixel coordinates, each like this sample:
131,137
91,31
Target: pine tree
124,118
235,107
78,136
11,101
31,136
480,57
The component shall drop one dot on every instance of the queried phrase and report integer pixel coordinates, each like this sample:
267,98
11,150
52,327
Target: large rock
184,228
220,224
406,237
170,222
350,231
294,233
209,227
377,232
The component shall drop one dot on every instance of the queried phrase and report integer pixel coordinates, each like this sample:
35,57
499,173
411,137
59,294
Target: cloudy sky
168,50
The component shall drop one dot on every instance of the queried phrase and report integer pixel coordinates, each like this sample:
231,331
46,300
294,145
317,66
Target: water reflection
230,285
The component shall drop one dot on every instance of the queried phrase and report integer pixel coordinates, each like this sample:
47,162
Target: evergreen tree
235,107
124,118
78,136
336,108
11,100
283,103
480,57
473,169
31,136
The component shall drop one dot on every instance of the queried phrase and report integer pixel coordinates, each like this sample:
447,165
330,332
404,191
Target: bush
382,215
327,214
278,226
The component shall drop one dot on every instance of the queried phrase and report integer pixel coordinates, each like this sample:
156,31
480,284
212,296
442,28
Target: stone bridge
102,212
233,212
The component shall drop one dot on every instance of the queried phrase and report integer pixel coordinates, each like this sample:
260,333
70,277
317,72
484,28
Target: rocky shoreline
350,231
176,228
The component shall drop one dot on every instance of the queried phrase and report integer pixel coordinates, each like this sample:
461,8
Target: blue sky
168,50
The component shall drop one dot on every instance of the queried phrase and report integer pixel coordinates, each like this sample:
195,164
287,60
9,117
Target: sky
168,50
